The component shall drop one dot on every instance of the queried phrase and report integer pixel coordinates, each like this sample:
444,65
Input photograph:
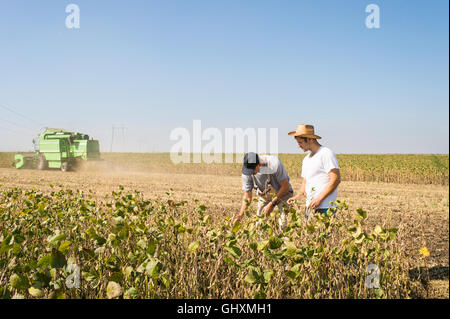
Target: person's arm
284,189
246,200
301,193
283,179
335,180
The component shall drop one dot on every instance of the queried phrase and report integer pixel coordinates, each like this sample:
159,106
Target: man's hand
335,179
315,203
268,209
291,200
237,218
245,203
300,195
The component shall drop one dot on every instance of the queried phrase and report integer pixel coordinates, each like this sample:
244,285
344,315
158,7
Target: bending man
267,175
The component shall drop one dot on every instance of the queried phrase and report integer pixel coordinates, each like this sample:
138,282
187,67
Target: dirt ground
421,210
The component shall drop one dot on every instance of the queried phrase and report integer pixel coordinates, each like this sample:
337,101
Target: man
320,172
268,176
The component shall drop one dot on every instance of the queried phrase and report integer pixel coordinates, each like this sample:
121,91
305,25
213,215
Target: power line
8,129
20,126
21,115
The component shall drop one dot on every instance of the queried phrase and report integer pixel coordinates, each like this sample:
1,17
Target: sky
153,66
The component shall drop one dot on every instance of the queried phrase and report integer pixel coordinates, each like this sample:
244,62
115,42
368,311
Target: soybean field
139,226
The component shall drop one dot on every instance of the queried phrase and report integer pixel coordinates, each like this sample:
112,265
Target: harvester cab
59,149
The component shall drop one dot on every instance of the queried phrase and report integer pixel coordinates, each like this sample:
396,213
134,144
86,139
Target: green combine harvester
59,149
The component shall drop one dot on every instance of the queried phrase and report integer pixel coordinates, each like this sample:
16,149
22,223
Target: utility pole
112,139
118,128
123,128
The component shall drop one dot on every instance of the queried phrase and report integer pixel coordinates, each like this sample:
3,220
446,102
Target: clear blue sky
157,65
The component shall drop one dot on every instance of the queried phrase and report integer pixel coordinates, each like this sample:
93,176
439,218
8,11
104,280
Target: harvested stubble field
408,193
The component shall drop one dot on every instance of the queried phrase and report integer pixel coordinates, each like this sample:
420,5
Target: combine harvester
59,149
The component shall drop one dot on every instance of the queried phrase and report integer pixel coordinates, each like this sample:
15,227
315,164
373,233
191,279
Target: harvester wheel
64,166
77,163
42,162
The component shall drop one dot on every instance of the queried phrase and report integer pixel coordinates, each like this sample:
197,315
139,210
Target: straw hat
304,130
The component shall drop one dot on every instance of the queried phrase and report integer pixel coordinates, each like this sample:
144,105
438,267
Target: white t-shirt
315,170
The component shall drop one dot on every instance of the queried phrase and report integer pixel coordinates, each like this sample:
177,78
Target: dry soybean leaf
262,244
234,251
378,229
291,249
153,268
142,244
251,277
53,273
35,292
113,290
193,246
268,275
128,271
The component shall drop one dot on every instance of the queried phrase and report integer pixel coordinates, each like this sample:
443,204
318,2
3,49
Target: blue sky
152,66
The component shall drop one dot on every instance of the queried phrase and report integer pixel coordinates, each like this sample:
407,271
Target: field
405,169
173,238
